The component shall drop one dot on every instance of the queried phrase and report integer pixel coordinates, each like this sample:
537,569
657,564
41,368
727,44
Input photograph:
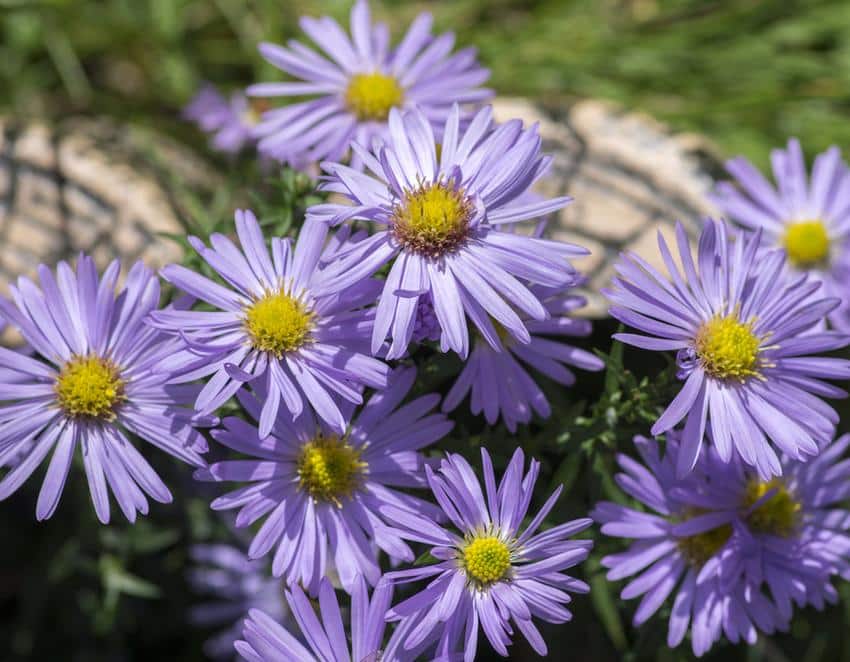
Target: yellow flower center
807,243
502,333
699,548
329,468
432,220
89,387
486,559
278,323
371,96
254,113
777,515
727,348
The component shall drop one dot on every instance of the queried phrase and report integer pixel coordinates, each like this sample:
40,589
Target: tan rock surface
630,178
93,186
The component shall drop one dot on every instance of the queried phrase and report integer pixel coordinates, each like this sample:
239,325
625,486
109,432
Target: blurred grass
747,73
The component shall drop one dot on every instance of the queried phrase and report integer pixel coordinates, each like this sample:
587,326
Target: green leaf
567,472
116,580
614,363
425,559
604,605
155,541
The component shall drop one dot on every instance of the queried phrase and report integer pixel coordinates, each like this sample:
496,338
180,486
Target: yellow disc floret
807,243
776,515
486,559
89,387
728,348
433,219
371,96
254,112
278,323
700,547
329,468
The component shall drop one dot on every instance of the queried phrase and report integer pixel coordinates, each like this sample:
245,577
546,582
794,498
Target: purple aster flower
237,585
439,219
492,571
230,121
426,326
9,376
5,374
498,381
744,329
273,328
321,492
792,529
94,380
324,634
683,544
809,219
356,82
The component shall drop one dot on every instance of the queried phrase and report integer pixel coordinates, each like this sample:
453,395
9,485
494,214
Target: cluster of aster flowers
748,498
738,551
296,358
297,355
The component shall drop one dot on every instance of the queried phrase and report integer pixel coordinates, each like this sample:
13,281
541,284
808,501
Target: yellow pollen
90,387
701,547
329,468
371,96
807,243
486,559
502,333
278,323
433,219
727,348
254,113
777,515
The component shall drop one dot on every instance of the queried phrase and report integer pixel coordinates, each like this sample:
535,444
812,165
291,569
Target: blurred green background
743,72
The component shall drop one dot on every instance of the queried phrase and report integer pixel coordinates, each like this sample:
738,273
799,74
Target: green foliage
290,194
628,405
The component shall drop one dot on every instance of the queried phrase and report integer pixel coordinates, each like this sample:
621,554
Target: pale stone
629,176
103,254
512,108
17,262
167,252
624,183
640,143
647,247
38,196
589,263
128,240
91,185
26,233
600,213
82,234
34,146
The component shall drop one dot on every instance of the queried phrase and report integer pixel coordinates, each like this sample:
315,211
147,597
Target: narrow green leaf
425,559
117,580
605,607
